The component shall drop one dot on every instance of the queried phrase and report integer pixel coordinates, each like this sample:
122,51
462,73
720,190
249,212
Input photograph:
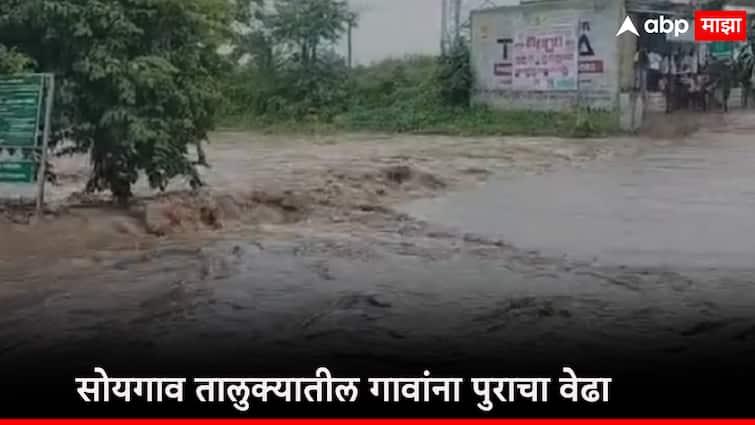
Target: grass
474,121
412,95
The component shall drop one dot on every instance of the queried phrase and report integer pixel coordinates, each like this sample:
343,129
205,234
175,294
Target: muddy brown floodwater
312,245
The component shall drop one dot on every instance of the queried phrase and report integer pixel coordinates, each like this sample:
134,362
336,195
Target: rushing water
688,205
671,230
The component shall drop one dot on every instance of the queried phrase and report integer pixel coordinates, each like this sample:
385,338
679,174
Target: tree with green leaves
137,79
455,77
304,26
12,62
290,72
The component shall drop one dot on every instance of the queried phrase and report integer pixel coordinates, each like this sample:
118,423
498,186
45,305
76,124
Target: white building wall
596,23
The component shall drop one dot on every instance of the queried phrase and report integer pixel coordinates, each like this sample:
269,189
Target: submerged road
383,292
688,204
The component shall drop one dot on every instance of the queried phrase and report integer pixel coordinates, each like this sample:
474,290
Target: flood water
670,229
686,205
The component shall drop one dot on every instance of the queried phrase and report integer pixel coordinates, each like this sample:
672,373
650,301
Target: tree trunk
201,156
304,50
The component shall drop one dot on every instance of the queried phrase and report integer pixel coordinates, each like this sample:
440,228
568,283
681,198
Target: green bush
419,94
12,62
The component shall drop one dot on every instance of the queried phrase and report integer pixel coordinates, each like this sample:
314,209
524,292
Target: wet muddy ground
311,246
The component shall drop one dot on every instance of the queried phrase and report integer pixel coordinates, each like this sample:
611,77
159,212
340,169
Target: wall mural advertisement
546,59
503,68
589,63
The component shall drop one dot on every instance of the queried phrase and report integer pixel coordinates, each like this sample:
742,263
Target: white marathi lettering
416,389
96,389
241,391
711,24
591,390
731,25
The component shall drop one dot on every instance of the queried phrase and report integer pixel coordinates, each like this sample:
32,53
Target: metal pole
443,26
457,20
350,53
42,172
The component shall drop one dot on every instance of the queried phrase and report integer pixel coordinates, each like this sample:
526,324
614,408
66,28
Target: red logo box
720,25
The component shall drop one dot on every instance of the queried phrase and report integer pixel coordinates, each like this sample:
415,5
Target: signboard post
23,153
42,174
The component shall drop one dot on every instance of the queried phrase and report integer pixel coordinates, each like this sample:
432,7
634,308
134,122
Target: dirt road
300,246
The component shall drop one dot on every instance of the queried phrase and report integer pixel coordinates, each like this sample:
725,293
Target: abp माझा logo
709,25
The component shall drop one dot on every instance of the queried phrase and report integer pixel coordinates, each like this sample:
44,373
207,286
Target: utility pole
451,23
444,27
350,44
457,20
351,24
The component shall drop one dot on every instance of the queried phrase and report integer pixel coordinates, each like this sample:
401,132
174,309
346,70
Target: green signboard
20,116
25,129
722,50
18,171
